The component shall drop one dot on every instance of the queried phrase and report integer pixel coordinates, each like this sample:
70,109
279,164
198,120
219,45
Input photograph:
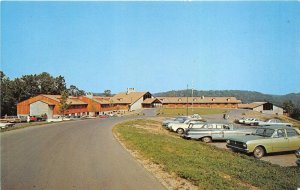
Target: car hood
247,138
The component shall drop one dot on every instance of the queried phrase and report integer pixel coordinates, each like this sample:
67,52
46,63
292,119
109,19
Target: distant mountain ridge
245,96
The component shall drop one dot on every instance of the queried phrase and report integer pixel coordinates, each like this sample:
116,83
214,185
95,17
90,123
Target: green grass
204,165
183,111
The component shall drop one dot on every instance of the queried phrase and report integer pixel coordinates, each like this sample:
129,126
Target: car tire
206,139
259,152
180,131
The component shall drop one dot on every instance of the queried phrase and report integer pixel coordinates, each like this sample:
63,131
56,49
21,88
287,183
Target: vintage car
252,121
212,131
298,157
179,119
267,139
6,125
245,120
10,119
273,122
181,127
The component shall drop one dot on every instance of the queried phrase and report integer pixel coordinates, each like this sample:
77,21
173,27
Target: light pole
187,100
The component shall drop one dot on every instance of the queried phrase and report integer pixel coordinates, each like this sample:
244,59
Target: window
291,132
268,106
280,133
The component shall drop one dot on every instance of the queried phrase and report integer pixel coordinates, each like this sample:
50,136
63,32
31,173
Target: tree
296,114
107,93
74,91
288,106
63,102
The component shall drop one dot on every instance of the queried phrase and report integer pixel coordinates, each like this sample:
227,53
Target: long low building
121,102
201,102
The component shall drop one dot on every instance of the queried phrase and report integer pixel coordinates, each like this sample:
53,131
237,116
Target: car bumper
298,162
185,137
237,148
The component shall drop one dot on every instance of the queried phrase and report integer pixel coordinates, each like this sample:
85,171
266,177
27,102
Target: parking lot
283,159
286,159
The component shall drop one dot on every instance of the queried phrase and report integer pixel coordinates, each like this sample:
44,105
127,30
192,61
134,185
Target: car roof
275,126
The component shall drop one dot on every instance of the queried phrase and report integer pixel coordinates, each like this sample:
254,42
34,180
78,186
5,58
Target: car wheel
259,152
206,139
180,131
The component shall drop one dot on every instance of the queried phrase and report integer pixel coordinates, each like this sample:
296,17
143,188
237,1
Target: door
279,142
293,138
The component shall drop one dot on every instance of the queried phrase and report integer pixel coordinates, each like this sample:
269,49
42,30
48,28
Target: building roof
71,100
102,100
125,98
150,100
251,105
203,100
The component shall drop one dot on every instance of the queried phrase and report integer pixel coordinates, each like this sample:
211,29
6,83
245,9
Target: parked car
273,122
181,127
252,121
33,118
6,125
58,119
298,157
179,119
103,116
10,119
216,131
245,120
267,139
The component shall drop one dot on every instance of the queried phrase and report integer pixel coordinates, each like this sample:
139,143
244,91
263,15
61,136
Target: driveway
72,155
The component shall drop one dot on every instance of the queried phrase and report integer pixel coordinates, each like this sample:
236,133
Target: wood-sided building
199,102
49,105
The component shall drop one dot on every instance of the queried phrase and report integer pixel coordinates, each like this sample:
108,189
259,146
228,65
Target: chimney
129,90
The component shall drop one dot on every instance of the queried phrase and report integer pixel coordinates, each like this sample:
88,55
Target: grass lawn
206,166
183,111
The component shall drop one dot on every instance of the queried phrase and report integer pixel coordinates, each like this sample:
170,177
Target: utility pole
187,100
192,97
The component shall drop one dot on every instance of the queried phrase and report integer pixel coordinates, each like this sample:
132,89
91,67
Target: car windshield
265,132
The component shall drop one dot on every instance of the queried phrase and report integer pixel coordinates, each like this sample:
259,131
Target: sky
155,46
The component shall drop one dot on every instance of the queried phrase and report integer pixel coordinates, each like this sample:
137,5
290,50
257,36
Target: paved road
72,155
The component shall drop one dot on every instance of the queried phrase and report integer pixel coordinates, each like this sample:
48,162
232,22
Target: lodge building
121,102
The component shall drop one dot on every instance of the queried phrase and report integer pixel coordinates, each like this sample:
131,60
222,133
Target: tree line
27,86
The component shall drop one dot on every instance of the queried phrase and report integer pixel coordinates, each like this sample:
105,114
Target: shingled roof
127,98
71,100
251,105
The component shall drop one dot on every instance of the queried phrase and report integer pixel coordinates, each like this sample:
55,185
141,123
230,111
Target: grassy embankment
183,111
206,166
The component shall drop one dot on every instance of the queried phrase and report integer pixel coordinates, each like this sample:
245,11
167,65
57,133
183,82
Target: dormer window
179,99
228,99
195,99
213,99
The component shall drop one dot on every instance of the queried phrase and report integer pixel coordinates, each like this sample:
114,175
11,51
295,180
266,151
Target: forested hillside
245,96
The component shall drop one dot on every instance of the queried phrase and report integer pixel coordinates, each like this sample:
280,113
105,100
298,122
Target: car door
279,141
293,138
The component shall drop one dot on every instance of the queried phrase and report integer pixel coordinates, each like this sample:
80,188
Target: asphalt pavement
71,155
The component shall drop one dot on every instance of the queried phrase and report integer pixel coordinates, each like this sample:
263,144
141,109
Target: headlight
244,145
228,141
298,153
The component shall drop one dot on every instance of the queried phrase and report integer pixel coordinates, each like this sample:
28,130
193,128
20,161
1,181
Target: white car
58,119
6,125
274,122
181,127
248,121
